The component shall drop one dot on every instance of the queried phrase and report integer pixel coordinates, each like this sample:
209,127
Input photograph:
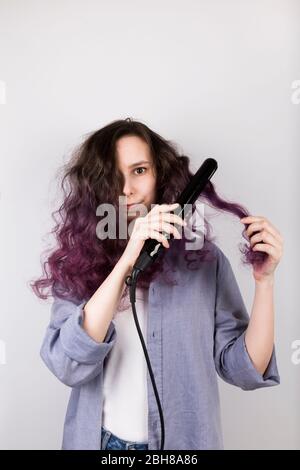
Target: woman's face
134,161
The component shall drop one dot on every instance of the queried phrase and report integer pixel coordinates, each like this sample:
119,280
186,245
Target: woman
190,308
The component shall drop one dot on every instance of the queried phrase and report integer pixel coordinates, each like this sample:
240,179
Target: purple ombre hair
80,261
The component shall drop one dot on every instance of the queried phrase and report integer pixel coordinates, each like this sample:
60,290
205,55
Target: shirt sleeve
67,349
232,361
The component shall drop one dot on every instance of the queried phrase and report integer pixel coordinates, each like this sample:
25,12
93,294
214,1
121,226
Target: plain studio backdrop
219,78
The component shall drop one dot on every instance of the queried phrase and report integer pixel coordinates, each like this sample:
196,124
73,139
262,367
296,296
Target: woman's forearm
259,337
100,309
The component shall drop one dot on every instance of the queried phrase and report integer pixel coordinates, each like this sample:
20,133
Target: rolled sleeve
242,370
67,349
77,343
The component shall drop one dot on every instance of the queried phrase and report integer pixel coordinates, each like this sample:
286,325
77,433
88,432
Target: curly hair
80,262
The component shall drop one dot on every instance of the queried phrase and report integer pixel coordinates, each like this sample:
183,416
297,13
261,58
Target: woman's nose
127,188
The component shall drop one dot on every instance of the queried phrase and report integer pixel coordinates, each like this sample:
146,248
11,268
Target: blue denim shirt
195,329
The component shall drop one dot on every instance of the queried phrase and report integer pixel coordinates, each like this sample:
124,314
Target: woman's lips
130,205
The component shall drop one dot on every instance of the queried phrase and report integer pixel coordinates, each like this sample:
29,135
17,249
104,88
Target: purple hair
80,262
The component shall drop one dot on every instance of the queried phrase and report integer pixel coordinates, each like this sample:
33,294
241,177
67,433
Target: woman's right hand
150,226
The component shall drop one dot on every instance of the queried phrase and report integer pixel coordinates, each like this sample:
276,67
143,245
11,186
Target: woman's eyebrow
138,163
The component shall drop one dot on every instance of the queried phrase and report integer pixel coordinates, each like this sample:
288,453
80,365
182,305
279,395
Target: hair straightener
153,248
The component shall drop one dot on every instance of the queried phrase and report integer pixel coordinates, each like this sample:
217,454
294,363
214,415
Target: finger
168,228
257,226
154,234
165,207
266,237
252,218
173,218
267,249
167,217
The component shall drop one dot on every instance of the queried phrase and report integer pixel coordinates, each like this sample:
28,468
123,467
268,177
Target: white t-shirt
125,404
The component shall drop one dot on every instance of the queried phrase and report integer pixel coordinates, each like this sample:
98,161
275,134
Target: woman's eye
140,168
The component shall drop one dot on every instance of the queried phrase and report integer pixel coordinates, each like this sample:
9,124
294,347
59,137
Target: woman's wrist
125,264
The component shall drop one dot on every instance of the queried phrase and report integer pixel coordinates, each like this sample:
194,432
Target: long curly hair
80,262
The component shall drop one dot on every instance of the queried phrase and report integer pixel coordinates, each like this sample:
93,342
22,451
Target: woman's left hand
273,245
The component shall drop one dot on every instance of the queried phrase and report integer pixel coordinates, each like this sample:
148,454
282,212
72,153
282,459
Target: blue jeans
110,441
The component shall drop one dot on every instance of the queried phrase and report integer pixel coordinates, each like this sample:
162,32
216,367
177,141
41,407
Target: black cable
131,281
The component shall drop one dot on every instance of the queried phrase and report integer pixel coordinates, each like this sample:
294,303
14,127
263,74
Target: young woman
189,305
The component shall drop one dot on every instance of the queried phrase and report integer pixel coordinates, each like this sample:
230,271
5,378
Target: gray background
214,76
